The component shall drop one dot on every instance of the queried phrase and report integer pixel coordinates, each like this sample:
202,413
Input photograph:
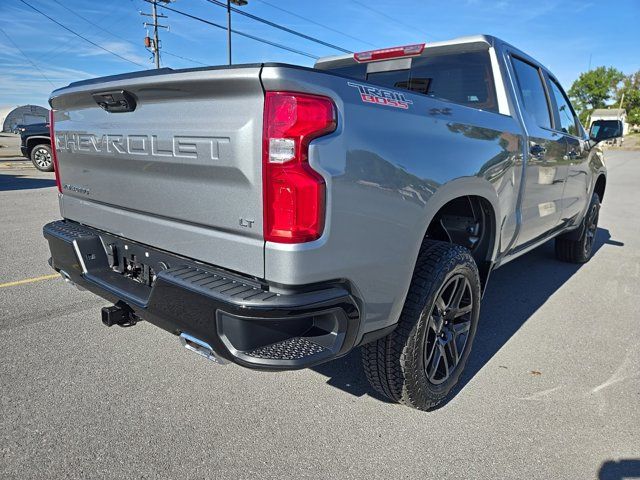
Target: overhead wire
97,45
70,44
237,32
184,58
279,27
195,17
115,35
387,16
28,59
314,22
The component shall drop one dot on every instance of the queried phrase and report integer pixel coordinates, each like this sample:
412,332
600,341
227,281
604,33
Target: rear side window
532,92
568,123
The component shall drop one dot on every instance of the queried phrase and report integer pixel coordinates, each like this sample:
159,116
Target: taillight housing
293,193
54,155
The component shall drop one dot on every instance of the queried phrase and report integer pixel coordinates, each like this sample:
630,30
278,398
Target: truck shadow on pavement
514,293
624,469
9,182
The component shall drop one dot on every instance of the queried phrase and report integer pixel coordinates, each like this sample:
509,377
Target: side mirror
605,130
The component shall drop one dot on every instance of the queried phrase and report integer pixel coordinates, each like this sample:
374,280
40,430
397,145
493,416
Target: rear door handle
537,151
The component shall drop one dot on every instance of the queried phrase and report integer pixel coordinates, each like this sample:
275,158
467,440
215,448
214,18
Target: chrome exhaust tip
201,348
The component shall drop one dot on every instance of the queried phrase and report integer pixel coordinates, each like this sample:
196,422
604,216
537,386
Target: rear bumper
243,320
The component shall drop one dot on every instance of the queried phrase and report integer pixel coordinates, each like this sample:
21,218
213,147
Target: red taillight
394,52
294,194
54,155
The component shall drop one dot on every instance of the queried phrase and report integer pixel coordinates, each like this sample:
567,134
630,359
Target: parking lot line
30,280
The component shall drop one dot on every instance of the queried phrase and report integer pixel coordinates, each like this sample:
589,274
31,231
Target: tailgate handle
115,101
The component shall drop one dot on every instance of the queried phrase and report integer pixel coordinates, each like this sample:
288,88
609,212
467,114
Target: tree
631,102
593,89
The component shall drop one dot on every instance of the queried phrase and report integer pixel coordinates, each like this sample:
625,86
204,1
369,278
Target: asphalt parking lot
552,390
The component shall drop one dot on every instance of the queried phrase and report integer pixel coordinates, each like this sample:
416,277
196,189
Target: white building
10,116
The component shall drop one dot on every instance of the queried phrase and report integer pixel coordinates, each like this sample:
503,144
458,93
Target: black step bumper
244,320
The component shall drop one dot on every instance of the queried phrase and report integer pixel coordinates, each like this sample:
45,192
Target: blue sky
562,34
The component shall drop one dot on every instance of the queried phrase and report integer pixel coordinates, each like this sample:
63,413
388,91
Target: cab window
532,92
465,78
568,122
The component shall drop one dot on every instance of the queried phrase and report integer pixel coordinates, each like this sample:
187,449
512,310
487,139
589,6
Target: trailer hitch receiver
119,314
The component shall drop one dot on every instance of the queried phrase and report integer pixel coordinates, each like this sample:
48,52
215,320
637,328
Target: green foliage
593,89
631,90
583,115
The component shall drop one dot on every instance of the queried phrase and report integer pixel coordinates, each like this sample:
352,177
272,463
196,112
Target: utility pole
239,3
154,43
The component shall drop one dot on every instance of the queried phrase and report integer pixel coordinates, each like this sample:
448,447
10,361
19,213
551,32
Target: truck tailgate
181,172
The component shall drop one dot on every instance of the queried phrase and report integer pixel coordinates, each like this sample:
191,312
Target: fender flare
464,187
29,143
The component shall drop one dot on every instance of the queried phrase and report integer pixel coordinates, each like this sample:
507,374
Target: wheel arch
476,193
34,141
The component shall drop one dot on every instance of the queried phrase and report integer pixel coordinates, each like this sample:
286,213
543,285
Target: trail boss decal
381,96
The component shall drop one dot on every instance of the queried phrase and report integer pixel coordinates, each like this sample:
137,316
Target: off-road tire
41,157
395,364
579,250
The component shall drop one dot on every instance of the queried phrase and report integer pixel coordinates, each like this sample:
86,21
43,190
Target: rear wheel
41,158
421,360
579,250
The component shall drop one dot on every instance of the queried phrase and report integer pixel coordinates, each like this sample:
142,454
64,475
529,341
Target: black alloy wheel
448,325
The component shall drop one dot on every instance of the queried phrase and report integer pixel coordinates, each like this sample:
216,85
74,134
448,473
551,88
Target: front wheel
420,362
42,158
579,250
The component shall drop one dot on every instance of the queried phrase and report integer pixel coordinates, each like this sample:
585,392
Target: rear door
179,168
545,170
576,190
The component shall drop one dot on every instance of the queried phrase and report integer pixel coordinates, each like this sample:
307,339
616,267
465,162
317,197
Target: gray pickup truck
278,216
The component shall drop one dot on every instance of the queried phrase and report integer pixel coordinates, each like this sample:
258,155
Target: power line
28,59
381,13
184,58
88,20
306,19
280,27
80,36
242,34
67,45
91,22
115,35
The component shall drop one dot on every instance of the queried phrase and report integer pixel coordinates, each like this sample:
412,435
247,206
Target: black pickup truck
35,143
